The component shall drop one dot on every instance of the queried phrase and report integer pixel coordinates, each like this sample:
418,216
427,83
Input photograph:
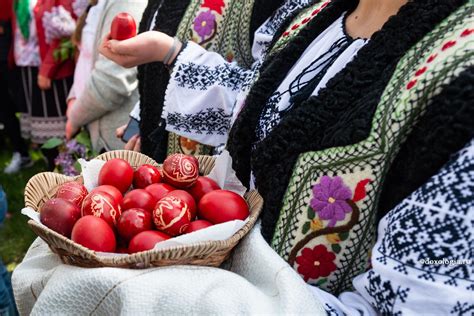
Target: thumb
125,47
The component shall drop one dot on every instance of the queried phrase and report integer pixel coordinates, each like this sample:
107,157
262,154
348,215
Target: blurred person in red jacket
21,158
45,57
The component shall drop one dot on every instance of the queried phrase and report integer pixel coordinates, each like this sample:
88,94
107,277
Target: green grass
15,235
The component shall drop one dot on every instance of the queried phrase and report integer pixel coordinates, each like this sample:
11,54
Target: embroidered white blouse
205,91
328,54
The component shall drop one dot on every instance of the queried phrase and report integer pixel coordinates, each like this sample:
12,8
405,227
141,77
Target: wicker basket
43,186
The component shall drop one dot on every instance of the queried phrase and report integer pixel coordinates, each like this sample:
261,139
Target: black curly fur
340,115
445,128
154,77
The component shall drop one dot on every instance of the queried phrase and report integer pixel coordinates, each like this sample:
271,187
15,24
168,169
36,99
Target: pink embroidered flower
204,24
315,263
330,199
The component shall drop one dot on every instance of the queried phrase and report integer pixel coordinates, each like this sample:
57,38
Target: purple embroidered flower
329,199
205,23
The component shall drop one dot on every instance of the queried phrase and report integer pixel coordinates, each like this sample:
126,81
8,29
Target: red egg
103,205
73,192
221,206
123,27
171,215
146,241
118,173
180,170
146,175
60,215
202,186
197,225
94,233
187,198
159,190
113,191
139,198
195,159
133,222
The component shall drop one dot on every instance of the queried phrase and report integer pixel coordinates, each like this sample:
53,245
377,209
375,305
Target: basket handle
39,187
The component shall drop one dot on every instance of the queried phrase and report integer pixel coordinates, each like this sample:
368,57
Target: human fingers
120,131
131,143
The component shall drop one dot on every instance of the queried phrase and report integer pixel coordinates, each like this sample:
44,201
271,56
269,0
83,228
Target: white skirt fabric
257,281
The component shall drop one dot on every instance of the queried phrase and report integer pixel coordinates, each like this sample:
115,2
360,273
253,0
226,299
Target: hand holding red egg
123,27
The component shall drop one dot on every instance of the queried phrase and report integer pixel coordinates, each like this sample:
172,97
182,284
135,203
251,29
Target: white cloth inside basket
257,281
222,173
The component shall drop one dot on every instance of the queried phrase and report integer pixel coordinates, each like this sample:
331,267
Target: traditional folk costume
417,75
225,27
422,261
41,28
336,129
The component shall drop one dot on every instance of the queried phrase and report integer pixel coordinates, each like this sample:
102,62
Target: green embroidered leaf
306,227
321,282
311,213
344,235
336,248
52,143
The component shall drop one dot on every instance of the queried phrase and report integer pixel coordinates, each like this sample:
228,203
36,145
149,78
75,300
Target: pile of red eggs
114,217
